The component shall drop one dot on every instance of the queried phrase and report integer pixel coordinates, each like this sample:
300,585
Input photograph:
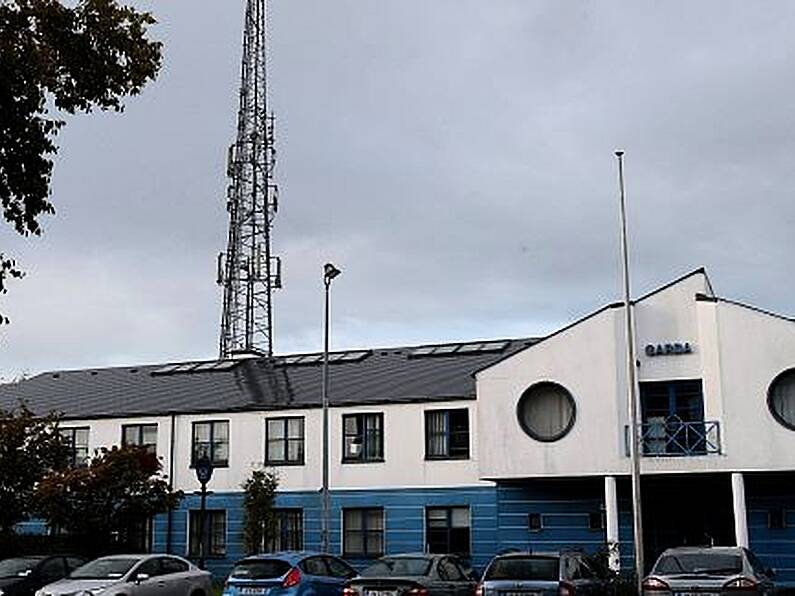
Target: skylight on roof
333,358
196,367
480,347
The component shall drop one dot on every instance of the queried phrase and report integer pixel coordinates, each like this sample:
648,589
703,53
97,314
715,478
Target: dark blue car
289,574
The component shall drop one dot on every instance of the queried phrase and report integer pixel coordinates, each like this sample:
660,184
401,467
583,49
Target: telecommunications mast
247,271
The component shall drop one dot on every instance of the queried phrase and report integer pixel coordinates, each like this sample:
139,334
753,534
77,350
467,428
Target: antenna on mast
248,271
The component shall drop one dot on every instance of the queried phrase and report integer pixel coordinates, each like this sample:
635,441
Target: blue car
289,574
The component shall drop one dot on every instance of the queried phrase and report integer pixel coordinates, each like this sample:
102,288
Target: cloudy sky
453,157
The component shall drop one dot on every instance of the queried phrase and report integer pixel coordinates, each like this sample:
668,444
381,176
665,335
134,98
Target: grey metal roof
388,375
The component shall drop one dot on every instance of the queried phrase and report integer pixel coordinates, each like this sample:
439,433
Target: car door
319,577
153,584
175,576
457,580
50,570
340,572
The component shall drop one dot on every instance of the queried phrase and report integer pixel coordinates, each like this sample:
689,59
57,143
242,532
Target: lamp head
329,273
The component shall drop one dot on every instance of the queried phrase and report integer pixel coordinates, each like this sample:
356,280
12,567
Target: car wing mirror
141,577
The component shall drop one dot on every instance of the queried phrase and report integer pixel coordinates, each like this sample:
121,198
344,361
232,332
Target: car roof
290,556
541,554
704,549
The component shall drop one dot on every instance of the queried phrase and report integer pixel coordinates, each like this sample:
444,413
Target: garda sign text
669,349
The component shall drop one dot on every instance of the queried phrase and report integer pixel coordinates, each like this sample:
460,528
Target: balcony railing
674,438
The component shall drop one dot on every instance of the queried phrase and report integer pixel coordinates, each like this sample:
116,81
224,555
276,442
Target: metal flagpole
632,396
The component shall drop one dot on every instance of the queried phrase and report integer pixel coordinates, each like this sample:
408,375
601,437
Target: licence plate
253,590
380,593
696,594
518,593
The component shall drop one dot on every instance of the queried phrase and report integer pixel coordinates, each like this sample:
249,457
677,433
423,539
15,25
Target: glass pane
296,450
81,437
295,428
353,519
354,543
375,519
275,428
353,448
437,518
275,450
460,517
220,452
201,432
351,425
221,431
150,434
375,543
130,435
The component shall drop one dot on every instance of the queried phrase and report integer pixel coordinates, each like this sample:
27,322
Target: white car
133,575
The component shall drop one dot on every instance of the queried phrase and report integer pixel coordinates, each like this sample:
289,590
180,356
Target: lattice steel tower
248,271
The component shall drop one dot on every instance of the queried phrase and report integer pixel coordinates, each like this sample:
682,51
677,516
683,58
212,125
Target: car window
74,562
260,569
524,568
315,566
339,568
714,563
20,567
105,568
449,571
150,567
398,567
580,570
172,565
756,564
52,569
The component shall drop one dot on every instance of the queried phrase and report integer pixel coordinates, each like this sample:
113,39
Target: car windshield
400,567
17,567
260,569
104,569
524,568
699,563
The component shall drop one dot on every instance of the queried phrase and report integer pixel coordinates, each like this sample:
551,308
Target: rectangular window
139,536
363,437
447,434
288,532
447,530
596,520
214,533
535,523
673,417
777,519
363,533
140,435
77,443
284,441
211,439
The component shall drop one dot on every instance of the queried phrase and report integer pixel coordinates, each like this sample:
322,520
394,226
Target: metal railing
673,437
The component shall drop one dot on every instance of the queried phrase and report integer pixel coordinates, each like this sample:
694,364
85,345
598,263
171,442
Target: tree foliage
120,487
30,447
64,59
259,519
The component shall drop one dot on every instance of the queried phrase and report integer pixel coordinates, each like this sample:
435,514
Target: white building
480,447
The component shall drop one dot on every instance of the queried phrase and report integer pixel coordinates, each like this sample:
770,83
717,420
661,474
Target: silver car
708,571
542,574
133,575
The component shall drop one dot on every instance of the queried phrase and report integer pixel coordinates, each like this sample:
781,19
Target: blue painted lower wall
768,494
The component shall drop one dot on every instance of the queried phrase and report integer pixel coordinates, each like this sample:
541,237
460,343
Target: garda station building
476,448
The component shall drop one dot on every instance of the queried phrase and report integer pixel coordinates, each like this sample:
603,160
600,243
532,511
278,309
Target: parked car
22,576
708,570
536,574
413,575
134,575
289,574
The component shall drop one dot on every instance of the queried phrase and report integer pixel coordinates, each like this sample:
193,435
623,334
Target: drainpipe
740,515
171,467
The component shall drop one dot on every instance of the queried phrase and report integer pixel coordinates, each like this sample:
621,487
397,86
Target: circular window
781,398
546,411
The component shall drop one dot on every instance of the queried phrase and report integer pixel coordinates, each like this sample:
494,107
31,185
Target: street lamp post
204,472
329,273
632,396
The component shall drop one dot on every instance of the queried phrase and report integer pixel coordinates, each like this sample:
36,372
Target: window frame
140,433
447,434
448,509
193,522
361,418
285,440
527,395
365,532
72,431
212,423
275,543
771,396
